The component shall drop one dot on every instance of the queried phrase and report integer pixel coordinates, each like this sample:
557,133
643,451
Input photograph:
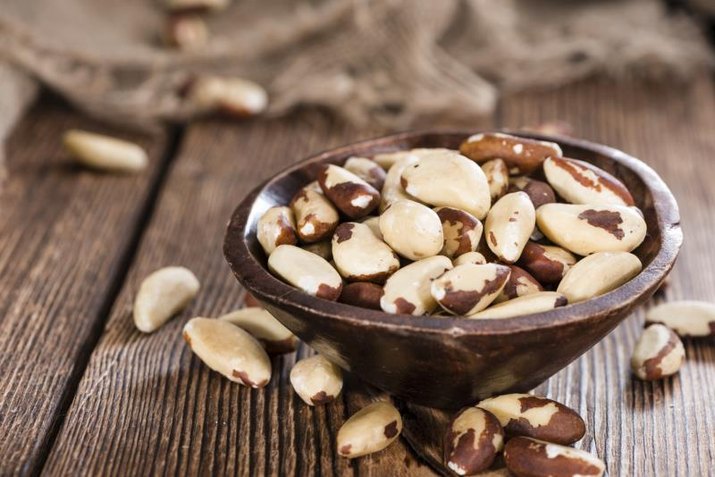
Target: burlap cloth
387,61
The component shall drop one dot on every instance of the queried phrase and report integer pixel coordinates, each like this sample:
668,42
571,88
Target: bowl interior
657,252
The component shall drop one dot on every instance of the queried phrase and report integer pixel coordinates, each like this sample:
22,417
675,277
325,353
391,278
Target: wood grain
64,236
145,405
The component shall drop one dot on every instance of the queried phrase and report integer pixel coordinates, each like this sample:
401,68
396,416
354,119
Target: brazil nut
362,294
360,256
352,195
547,263
497,177
520,283
598,274
685,317
579,182
659,353
315,216
525,457
276,227
524,305
412,230
522,155
469,288
408,290
369,430
275,338
461,231
539,192
316,380
509,225
306,271
367,170
470,257
473,438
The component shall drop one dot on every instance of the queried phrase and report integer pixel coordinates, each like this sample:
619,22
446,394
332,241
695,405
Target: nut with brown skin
367,170
369,430
234,97
446,178
316,380
470,257
315,216
598,274
412,230
163,294
323,249
362,294
306,271
685,317
229,350
520,283
659,353
585,229
527,457
524,305
537,417
547,263
468,289
473,438
539,192
275,338
522,155
461,231
360,256
509,225
497,177
579,182
276,227
408,290
352,195
185,32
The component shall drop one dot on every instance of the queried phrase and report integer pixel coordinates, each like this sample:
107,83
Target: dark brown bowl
450,362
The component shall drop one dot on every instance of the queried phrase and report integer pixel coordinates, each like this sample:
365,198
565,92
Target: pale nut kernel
275,338
470,257
350,194
276,227
497,177
522,155
392,190
388,159
163,294
362,294
537,417
412,230
104,153
585,229
659,353
523,305
323,249
408,290
369,430
598,274
520,283
306,271
469,288
197,6
235,97
539,192
315,216
185,32
229,350
367,170
316,380
446,178
374,223
360,256
525,457
579,182
547,263
461,231
686,317
509,225
473,438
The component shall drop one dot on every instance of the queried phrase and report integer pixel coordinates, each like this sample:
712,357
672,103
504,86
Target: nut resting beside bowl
448,361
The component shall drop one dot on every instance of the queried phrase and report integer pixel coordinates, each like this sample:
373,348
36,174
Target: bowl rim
260,282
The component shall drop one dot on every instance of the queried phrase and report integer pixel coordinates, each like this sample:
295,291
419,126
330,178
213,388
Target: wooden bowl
449,362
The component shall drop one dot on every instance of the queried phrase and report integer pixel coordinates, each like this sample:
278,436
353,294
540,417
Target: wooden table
83,392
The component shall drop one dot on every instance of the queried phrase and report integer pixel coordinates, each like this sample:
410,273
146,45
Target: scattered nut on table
686,317
235,97
104,153
526,457
229,350
185,32
369,430
659,353
316,380
163,294
473,439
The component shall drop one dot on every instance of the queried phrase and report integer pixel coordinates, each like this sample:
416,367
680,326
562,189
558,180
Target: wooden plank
147,406
64,238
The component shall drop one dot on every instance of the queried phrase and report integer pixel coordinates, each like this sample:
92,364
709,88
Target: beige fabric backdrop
368,60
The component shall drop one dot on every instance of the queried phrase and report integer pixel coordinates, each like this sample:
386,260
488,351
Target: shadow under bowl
449,362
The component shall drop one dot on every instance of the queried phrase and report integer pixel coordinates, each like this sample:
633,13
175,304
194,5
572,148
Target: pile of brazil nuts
505,226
